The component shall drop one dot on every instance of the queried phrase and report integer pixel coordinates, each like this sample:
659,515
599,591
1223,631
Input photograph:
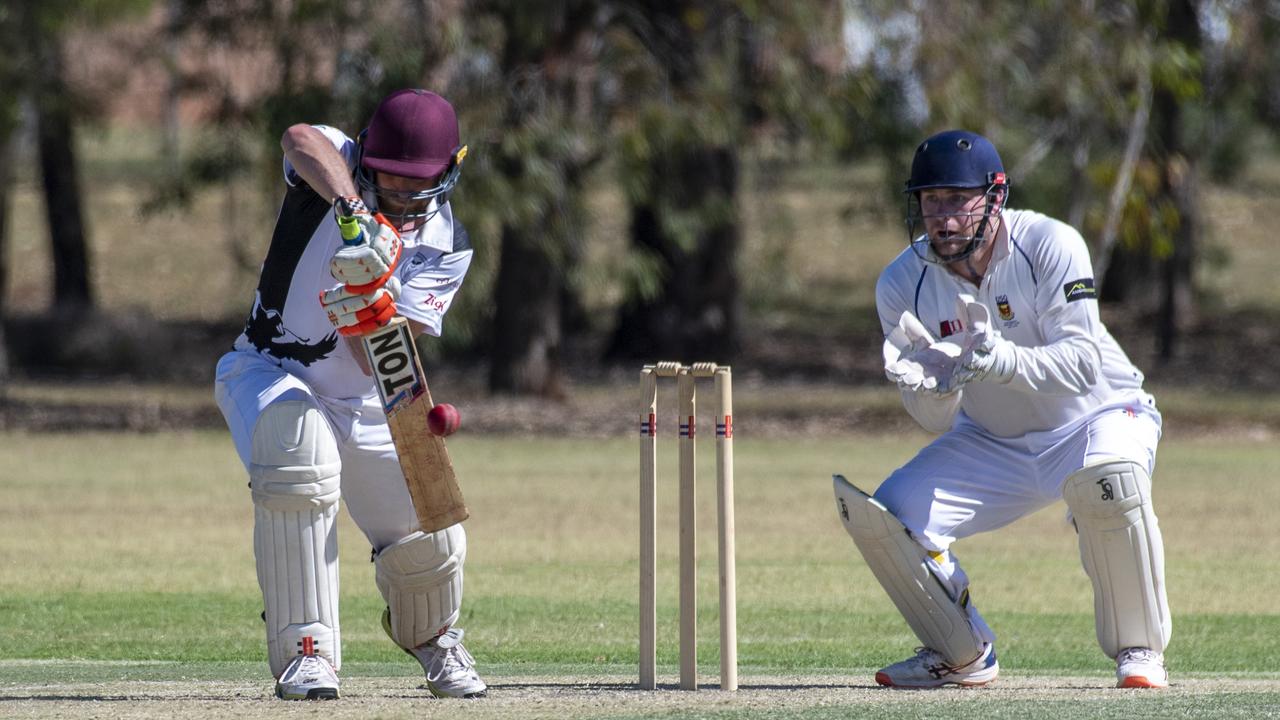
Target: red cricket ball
443,419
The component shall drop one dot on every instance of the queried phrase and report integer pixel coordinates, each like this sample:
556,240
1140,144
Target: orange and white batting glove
366,265
361,313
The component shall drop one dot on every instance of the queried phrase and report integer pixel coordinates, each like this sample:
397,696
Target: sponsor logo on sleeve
1081,289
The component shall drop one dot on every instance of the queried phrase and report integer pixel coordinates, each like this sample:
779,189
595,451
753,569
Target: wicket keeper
993,335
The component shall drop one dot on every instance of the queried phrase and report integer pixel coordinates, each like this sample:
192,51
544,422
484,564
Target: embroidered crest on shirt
1002,305
1006,311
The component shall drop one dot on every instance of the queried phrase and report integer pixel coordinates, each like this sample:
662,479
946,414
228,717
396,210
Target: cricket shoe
308,677
928,669
1140,668
449,667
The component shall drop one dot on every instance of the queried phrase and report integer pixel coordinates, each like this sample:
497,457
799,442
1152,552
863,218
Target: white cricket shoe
308,677
928,669
450,668
1140,668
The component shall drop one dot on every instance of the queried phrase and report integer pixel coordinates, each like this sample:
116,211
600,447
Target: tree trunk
1180,183
696,314
6,193
6,196
56,142
527,319
1177,308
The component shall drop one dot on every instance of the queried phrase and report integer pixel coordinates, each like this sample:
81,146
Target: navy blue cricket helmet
955,159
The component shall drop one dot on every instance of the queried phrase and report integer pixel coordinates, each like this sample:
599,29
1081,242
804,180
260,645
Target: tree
713,72
59,169
9,77
1180,156
535,88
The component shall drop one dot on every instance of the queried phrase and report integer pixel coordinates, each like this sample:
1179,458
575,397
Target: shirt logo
1081,289
1002,305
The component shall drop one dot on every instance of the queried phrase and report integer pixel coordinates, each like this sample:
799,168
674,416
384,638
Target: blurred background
694,179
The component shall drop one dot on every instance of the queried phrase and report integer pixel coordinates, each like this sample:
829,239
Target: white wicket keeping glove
915,361
365,266
361,313
985,355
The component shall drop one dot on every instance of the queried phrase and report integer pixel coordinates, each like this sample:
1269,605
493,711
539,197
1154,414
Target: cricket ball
443,419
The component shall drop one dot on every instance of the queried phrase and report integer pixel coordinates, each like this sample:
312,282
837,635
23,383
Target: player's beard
966,246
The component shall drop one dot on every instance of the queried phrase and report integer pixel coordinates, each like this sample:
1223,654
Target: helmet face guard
976,223
955,159
409,210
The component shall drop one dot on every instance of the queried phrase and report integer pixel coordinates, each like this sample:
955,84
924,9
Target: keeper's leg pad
420,577
1123,554
901,565
294,474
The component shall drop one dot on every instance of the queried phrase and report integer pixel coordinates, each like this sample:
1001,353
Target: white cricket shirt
287,324
1040,291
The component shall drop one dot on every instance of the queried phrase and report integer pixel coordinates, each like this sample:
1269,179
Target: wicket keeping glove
366,265
915,361
985,356
361,313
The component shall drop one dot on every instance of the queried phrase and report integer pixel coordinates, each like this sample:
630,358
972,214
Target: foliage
559,97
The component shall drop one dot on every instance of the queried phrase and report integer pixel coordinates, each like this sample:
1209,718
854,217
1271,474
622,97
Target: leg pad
902,566
1123,554
420,577
294,476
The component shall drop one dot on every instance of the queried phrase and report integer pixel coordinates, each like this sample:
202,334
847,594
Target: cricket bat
393,362
402,385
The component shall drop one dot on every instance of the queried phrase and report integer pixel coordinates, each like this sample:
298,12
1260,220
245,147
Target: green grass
136,548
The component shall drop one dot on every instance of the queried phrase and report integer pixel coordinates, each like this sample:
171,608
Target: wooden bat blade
428,471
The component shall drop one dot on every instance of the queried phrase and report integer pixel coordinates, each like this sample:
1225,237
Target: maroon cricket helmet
413,133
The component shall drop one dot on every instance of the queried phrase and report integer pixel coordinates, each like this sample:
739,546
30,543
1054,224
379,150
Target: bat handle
351,233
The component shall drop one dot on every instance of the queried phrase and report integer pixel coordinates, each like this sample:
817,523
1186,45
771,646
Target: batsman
302,406
993,336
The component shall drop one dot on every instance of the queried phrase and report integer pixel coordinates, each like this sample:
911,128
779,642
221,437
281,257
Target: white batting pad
1123,554
901,565
420,577
294,474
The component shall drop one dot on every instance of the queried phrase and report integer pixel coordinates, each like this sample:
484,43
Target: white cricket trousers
968,481
373,486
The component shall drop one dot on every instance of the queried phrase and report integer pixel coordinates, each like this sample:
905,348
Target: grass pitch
127,588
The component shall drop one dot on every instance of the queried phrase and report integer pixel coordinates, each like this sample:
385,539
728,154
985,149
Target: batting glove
985,356
361,313
366,265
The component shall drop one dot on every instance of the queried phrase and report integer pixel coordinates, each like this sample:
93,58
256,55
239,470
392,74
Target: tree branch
1137,137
